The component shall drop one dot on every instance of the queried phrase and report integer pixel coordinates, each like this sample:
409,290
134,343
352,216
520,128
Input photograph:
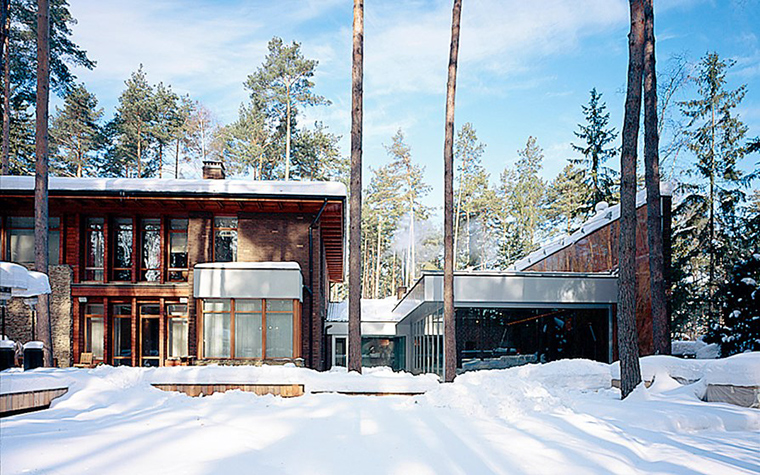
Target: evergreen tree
167,121
21,61
132,125
281,84
473,201
246,143
597,149
75,132
707,218
522,192
316,156
740,329
565,198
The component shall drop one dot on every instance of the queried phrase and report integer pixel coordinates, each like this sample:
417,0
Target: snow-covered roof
179,187
604,216
373,310
285,265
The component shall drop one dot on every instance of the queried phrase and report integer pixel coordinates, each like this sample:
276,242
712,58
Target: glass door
150,339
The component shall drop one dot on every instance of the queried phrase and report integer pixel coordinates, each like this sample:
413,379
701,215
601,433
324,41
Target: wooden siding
195,390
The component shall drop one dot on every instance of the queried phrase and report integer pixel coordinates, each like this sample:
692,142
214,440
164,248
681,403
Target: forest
156,132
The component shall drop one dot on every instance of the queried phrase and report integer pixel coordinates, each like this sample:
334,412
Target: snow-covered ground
560,417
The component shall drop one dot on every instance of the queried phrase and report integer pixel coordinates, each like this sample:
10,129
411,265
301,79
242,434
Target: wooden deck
195,390
372,393
28,401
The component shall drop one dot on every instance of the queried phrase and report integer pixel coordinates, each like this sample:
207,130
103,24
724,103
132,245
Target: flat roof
511,288
159,186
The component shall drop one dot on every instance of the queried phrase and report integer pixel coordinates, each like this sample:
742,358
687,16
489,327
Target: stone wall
18,321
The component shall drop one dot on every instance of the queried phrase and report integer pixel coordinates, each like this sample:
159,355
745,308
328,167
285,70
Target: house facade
150,272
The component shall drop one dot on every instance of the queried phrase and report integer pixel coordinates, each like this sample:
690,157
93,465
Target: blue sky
525,67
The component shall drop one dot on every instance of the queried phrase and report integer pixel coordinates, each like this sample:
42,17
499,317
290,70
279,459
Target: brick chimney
213,170
400,292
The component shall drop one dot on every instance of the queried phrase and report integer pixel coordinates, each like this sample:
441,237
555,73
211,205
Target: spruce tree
167,121
565,198
597,149
132,126
75,132
707,218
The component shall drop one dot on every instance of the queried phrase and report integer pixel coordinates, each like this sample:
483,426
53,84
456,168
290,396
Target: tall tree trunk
449,320
628,346
6,150
355,237
43,327
160,160
711,244
139,151
287,127
176,162
660,326
377,257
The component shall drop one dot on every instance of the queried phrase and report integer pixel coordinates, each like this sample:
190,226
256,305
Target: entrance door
150,336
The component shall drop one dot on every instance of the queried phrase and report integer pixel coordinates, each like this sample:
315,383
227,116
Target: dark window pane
122,248
21,245
225,245
178,224
151,249
54,247
95,249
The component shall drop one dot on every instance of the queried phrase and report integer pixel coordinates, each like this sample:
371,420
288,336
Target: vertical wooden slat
135,322
77,316
161,330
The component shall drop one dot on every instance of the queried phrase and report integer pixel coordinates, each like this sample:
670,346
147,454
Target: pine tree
75,132
316,155
707,217
281,84
245,144
167,122
597,150
740,330
19,82
565,198
522,192
132,124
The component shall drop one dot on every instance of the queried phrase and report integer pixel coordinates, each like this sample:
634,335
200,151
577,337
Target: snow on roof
604,216
285,265
171,186
373,310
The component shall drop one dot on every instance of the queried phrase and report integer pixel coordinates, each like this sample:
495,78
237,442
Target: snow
33,345
603,216
282,265
695,349
373,310
560,417
171,186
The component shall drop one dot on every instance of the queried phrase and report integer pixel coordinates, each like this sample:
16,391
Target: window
93,330
340,351
177,314
178,250
95,249
20,240
122,265
216,328
225,239
122,334
151,249
248,328
279,317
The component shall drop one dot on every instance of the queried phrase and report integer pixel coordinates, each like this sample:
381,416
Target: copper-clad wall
598,252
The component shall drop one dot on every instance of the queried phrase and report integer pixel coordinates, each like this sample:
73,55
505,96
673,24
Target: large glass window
150,346
151,249
279,328
94,330
341,351
177,314
95,249
225,239
248,328
123,240
216,328
20,239
122,334
178,249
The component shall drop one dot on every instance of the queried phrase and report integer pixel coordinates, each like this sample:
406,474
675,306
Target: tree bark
355,205
377,257
44,329
660,323
449,320
176,162
5,46
139,152
287,127
628,347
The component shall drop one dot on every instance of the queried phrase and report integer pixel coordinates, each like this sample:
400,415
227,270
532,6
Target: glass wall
249,328
383,351
122,263
20,240
341,351
427,344
178,249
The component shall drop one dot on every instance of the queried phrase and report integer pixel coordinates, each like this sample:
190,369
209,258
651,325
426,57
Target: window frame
184,271
296,320
133,255
142,270
169,317
7,229
114,326
88,248
225,228
88,317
